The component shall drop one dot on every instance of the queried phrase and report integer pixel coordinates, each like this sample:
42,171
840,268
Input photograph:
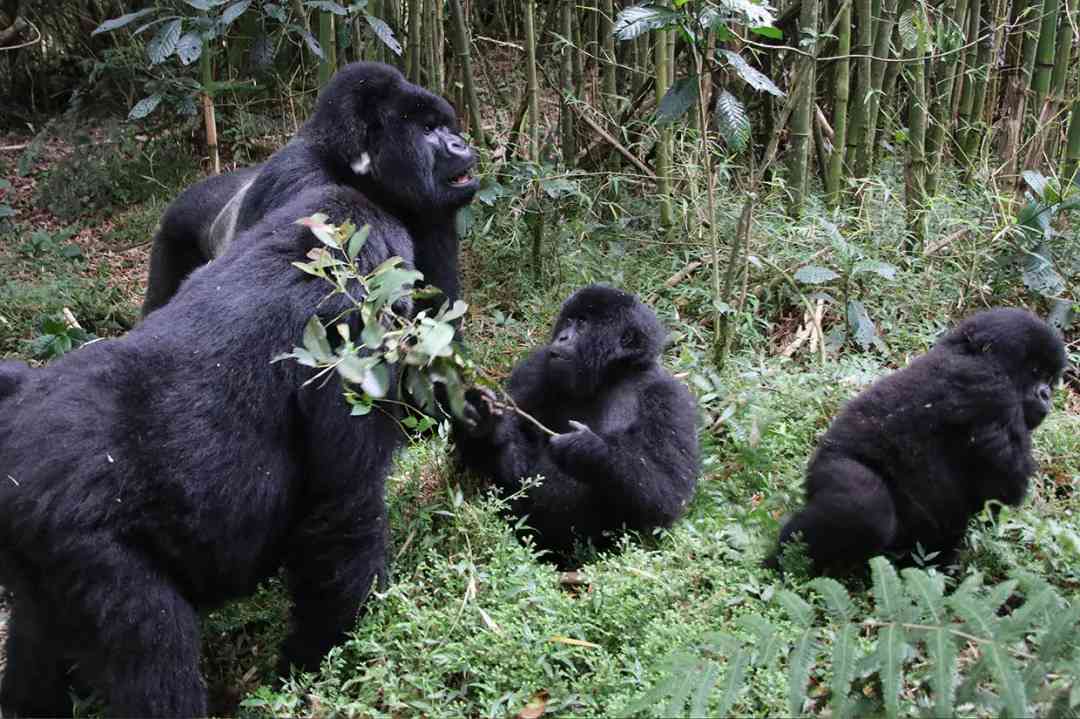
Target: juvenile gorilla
628,454
916,455
148,477
396,143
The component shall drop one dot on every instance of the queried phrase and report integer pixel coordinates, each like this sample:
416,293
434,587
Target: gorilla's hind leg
850,522
35,679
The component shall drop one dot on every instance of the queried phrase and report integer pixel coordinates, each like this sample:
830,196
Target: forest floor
474,624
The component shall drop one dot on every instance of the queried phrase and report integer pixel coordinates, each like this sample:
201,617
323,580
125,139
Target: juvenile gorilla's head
397,143
1025,347
601,333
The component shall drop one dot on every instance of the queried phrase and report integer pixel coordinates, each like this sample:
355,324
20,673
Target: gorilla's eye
430,127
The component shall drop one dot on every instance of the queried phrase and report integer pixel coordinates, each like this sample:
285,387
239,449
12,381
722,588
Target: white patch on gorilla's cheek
362,164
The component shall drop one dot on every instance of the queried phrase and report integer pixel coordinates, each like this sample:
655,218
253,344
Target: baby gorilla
628,454
916,455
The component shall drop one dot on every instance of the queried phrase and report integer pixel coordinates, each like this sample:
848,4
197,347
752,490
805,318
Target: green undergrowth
475,624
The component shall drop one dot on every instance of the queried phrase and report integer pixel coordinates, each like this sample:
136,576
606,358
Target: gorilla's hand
480,412
580,452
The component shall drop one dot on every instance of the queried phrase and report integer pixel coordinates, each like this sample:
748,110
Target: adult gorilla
396,143
918,453
628,453
151,476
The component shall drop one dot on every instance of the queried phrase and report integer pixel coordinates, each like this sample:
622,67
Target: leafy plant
978,650
60,334
416,352
1046,256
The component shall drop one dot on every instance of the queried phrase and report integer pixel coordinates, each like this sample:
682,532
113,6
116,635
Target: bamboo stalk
1072,146
858,110
461,39
915,176
883,31
206,67
1044,53
566,116
801,115
833,184
532,89
415,43
942,105
328,43
607,58
663,148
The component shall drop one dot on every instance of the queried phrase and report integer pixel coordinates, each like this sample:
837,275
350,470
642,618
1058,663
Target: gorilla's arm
648,467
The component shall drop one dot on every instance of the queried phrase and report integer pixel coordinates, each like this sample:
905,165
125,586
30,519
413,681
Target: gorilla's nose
457,146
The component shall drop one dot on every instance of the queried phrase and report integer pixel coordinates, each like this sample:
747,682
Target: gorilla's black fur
146,477
371,130
916,455
628,452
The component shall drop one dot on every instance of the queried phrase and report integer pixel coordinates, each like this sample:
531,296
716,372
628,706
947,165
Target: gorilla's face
1038,396
600,332
396,142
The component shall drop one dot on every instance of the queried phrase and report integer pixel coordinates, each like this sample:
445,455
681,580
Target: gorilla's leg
336,559
172,258
35,680
850,519
149,636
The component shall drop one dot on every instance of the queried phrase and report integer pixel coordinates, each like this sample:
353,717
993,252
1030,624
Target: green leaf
732,121
909,33
164,43
144,107
766,639
1036,181
315,340
843,665
205,4
435,340
888,593
324,232
376,382
189,48
458,310
357,241
733,682
815,275
118,22
891,649
372,335
750,12
384,33
751,76
882,269
234,11
1029,617
679,98
927,592
862,328
768,31
1040,275
699,702
800,661
639,19
836,597
799,610
355,368
312,44
327,5
941,649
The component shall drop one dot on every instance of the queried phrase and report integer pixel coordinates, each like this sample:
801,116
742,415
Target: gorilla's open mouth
461,180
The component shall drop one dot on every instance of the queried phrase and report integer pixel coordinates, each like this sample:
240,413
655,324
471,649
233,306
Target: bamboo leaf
679,98
639,19
815,275
732,121
118,22
751,76
799,610
384,33
164,43
800,661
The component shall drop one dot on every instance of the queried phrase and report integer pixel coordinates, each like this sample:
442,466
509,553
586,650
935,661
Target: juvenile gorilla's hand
480,412
580,450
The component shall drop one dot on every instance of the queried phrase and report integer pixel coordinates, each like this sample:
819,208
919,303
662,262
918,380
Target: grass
474,623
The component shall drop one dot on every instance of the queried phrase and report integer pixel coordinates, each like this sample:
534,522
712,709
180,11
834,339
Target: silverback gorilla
147,477
628,453
370,129
916,455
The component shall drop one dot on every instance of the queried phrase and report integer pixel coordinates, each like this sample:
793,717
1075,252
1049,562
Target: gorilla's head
601,333
394,141
1025,347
